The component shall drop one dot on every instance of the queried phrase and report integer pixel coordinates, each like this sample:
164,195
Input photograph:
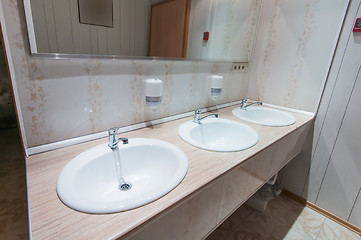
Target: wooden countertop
51,219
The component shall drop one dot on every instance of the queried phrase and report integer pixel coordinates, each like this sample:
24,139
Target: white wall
291,62
334,172
232,26
294,49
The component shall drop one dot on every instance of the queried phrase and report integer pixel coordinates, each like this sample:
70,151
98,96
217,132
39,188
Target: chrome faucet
113,141
245,106
197,115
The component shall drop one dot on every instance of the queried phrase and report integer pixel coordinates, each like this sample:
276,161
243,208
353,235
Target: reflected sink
264,116
217,134
89,182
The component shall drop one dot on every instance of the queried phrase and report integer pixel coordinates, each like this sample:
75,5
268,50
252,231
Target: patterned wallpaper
62,99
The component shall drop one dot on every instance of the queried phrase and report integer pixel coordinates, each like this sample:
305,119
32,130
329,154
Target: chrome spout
245,106
197,115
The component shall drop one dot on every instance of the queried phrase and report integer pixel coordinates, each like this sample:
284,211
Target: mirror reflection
191,29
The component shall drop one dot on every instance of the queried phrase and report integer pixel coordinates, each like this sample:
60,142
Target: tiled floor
284,218
13,204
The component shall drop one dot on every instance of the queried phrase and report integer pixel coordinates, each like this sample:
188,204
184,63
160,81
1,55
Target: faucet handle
244,103
113,131
200,110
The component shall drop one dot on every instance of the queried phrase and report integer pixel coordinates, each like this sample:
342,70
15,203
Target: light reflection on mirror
148,28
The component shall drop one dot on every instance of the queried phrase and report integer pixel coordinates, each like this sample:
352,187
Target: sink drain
125,186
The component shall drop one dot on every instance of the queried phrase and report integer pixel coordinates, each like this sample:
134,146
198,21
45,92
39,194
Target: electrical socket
239,67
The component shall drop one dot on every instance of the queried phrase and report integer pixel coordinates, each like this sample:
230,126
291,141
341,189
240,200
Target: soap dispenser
153,93
215,86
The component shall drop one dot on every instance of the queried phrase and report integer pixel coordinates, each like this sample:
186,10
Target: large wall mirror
190,29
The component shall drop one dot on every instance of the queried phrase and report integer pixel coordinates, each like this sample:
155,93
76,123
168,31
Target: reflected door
169,29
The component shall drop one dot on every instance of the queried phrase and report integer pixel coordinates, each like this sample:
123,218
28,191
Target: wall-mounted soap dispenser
215,86
153,93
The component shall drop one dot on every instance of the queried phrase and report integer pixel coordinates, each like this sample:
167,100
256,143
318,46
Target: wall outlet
239,67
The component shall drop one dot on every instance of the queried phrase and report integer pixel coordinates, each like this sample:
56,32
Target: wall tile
296,30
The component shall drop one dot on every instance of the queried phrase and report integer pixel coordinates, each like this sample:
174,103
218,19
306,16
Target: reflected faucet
113,141
197,115
245,106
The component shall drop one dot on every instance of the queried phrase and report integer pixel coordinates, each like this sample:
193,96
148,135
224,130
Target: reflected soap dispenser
215,86
153,93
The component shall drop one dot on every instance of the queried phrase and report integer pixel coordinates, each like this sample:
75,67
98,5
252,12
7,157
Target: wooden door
169,28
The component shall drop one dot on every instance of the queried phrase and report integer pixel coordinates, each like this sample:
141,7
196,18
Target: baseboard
322,211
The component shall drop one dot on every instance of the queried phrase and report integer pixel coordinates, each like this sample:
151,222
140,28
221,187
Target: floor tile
308,223
332,230
284,209
298,217
284,219
294,235
259,226
231,223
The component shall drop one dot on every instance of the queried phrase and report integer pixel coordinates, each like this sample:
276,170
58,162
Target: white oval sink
217,134
89,182
264,116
